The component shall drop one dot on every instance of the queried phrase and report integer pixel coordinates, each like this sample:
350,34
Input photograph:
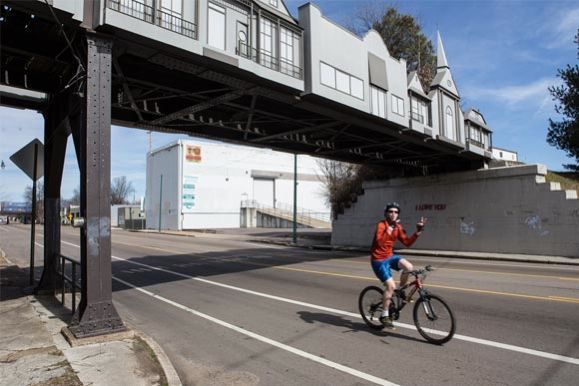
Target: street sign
24,159
8,207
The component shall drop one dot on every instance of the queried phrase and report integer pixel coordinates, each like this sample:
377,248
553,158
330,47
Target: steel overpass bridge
95,63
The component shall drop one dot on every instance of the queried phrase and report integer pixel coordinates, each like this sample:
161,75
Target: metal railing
176,24
417,117
72,280
267,60
476,143
154,16
288,209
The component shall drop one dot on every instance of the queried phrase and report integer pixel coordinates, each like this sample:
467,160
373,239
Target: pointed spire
441,62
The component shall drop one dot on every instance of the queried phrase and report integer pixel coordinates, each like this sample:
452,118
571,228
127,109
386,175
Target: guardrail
267,60
476,143
142,11
288,209
71,281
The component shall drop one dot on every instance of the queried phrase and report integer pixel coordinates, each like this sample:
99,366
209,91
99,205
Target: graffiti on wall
467,228
535,223
422,207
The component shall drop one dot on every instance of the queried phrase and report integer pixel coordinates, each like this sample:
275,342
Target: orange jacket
382,246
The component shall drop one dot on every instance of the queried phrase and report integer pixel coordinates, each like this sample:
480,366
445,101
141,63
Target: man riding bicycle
383,258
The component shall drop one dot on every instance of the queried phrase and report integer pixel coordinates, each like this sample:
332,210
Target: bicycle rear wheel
434,319
370,306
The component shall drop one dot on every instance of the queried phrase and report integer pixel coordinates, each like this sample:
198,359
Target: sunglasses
392,211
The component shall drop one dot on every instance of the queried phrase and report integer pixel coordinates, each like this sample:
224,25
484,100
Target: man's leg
388,292
406,267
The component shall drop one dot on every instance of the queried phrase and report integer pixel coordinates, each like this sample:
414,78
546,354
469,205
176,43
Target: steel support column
96,314
56,130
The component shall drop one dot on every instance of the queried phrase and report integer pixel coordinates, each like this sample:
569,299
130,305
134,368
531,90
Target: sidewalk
34,352
320,240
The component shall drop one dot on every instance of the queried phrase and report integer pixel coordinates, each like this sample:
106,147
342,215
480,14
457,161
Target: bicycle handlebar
420,271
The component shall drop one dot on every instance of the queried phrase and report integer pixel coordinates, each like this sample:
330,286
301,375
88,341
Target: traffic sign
24,159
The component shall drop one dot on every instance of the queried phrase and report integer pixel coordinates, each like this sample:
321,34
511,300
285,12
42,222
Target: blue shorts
382,268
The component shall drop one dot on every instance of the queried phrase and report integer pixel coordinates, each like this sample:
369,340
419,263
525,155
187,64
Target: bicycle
432,316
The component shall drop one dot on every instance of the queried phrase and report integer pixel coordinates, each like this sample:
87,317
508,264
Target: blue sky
503,55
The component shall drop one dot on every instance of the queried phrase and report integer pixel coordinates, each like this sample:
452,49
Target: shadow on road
340,321
207,264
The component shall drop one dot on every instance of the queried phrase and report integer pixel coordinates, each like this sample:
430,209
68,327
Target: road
239,313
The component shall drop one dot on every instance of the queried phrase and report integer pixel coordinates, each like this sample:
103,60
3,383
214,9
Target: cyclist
383,258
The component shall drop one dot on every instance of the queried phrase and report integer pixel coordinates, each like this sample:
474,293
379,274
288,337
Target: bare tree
120,190
39,199
342,181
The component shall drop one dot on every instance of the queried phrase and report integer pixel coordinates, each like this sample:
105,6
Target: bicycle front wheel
370,306
434,319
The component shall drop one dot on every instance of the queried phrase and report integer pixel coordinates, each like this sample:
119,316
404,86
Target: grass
568,181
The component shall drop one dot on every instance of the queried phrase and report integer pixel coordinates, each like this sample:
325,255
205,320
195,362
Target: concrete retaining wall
501,210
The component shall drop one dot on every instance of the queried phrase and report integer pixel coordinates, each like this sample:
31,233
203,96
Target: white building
204,185
505,155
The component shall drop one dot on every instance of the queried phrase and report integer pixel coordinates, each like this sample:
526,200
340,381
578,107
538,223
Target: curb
462,255
170,373
166,364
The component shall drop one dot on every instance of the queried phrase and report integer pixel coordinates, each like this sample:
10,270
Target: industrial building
193,185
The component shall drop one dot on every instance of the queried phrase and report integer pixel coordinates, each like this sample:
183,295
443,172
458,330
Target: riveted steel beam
96,314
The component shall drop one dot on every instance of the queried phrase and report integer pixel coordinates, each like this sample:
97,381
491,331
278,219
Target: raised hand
420,224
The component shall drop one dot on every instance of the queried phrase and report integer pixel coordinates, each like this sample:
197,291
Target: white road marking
466,338
293,350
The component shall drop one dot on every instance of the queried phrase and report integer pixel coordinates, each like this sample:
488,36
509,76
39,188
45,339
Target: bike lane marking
485,342
261,338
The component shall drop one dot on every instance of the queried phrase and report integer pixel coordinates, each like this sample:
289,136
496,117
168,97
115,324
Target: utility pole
295,236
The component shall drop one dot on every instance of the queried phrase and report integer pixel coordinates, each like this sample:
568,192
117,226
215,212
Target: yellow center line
534,297
479,271
150,247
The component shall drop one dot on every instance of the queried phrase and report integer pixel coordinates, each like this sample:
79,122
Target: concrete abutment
499,210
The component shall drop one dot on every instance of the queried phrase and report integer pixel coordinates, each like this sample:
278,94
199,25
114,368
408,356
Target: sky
503,56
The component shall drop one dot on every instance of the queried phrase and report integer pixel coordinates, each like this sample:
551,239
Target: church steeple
441,62
443,78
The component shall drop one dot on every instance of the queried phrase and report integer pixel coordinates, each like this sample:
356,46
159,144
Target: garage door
264,191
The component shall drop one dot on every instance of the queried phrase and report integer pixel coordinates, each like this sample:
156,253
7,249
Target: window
397,105
273,2
449,124
475,134
286,40
341,81
266,36
171,14
378,99
418,110
357,87
216,26
328,75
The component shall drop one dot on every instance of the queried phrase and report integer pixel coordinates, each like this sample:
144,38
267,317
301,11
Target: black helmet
391,205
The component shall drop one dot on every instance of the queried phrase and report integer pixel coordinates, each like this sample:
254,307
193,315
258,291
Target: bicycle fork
427,306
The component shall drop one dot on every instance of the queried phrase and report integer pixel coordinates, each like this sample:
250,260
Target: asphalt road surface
231,312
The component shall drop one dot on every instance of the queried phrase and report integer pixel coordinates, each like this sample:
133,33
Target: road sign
24,159
15,207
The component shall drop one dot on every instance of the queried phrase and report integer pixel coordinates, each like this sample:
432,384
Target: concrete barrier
499,210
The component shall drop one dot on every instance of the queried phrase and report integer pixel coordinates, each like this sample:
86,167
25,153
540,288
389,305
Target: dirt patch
148,362
31,351
69,378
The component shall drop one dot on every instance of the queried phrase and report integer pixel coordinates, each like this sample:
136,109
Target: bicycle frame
399,304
